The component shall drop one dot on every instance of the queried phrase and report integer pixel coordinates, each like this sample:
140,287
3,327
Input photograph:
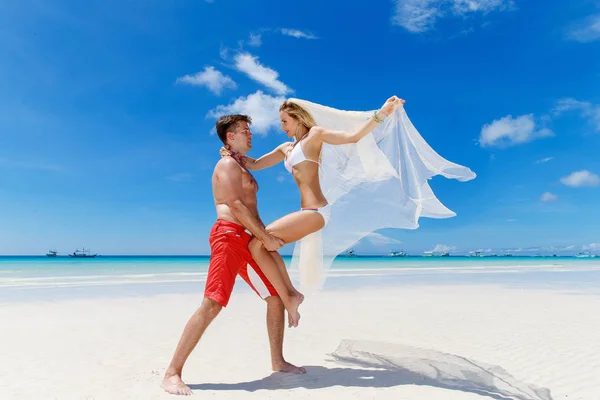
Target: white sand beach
421,342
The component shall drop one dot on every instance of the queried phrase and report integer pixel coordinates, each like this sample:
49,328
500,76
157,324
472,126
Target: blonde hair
298,113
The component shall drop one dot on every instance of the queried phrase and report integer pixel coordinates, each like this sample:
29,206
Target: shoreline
47,285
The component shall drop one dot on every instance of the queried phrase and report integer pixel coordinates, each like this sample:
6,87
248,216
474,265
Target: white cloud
224,52
298,34
586,30
255,39
509,131
558,249
378,239
583,178
585,108
548,197
418,16
248,64
511,220
213,79
462,7
440,248
262,108
544,160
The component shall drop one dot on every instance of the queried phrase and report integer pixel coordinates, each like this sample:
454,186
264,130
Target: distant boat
51,253
82,254
508,255
349,253
476,254
434,254
585,255
397,254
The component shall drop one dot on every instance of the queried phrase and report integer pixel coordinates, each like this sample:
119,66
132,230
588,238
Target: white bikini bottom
325,211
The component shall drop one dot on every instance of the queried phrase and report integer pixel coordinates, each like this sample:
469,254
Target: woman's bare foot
174,385
294,315
285,366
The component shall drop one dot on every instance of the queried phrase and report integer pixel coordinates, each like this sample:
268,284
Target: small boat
428,254
586,255
82,254
508,255
476,254
52,253
445,254
397,254
349,253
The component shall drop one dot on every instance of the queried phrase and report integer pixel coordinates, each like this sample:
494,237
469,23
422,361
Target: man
234,191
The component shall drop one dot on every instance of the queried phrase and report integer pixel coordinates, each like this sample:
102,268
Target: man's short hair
227,121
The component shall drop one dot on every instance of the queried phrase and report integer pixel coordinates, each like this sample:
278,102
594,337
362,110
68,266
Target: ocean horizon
41,277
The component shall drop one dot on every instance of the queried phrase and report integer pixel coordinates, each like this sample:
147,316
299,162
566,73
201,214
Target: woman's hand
224,151
391,104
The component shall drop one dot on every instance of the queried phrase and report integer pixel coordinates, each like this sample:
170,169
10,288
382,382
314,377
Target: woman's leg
286,277
289,228
279,278
290,297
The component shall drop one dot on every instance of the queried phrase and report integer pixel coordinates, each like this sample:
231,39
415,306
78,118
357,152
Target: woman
302,158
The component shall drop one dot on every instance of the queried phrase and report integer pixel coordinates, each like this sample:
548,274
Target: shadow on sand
382,365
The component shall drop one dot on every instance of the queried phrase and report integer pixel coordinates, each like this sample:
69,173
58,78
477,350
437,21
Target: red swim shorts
230,257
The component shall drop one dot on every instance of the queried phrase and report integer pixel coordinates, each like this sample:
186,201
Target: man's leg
275,328
194,329
257,280
228,254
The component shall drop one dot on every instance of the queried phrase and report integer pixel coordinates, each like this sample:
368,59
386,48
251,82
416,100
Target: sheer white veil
378,182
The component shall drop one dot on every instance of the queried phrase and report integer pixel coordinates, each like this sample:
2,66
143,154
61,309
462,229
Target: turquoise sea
34,277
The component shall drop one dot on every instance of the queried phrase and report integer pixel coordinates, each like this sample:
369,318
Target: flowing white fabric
399,364
379,182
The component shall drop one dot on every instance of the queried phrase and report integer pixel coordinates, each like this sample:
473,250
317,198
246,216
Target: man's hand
272,243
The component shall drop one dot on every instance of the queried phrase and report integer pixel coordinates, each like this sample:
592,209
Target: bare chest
249,184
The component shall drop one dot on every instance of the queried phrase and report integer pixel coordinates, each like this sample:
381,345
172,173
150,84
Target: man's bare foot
287,367
174,385
294,316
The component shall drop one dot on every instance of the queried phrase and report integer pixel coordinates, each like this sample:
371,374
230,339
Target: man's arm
229,175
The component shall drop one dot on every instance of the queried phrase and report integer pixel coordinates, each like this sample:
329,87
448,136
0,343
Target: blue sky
107,109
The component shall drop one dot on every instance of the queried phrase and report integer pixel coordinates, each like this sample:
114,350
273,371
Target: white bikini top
295,157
